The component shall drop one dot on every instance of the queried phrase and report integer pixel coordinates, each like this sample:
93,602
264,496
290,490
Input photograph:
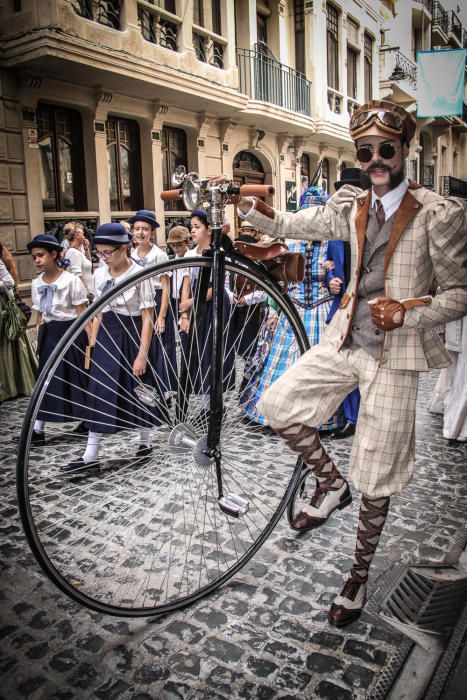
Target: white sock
145,437
39,426
92,448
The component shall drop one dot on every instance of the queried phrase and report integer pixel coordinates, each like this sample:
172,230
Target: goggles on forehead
390,121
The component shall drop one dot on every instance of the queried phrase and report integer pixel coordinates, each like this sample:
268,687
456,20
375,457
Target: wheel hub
183,441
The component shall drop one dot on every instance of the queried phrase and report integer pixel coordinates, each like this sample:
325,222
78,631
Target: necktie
47,292
380,215
142,261
105,286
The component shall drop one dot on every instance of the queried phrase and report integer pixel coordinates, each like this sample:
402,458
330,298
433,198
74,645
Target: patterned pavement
263,635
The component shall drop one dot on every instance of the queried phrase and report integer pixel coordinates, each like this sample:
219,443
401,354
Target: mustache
379,165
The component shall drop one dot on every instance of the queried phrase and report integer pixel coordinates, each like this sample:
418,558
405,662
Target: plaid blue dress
283,349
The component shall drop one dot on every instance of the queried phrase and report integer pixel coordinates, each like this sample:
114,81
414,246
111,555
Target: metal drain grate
430,604
426,606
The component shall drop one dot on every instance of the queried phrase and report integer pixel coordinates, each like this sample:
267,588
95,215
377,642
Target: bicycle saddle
261,251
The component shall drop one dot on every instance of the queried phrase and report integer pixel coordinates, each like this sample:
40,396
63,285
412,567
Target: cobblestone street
263,635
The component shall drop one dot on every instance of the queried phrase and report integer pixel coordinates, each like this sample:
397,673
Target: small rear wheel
301,494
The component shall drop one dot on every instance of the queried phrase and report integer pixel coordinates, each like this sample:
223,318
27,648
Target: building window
352,58
332,39
123,153
324,180
60,139
300,35
198,13
368,66
174,153
262,15
304,172
216,17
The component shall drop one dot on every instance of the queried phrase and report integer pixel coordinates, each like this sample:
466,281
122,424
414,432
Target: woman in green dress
18,361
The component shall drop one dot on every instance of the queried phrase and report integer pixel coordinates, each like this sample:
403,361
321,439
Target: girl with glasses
122,357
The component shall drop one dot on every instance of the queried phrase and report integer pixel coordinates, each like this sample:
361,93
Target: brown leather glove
387,313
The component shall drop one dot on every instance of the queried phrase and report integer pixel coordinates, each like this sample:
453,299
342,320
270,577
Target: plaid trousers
383,450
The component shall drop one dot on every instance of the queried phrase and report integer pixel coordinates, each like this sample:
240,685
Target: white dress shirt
69,294
137,297
80,265
392,199
155,256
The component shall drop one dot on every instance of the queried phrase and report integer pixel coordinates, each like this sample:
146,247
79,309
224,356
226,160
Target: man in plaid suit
382,335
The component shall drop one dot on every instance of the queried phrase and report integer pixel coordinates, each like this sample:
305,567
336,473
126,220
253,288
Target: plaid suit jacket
429,237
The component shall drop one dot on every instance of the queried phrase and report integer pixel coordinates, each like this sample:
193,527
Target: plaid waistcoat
363,332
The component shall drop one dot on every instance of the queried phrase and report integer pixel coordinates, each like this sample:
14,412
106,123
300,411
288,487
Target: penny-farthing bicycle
141,539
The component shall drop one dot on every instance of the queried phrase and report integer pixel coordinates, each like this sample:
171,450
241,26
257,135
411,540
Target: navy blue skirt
113,403
247,322
200,375
65,399
165,350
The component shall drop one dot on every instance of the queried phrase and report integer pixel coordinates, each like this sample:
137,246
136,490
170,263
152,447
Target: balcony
439,25
454,30
398,72
421,13
264,79
452,186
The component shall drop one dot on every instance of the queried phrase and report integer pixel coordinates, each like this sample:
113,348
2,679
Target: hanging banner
440,83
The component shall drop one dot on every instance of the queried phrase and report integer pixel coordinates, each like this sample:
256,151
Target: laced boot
332,490
348,605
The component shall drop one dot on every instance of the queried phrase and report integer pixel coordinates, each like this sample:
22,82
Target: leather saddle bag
283,266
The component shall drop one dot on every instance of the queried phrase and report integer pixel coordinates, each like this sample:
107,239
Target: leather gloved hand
387,313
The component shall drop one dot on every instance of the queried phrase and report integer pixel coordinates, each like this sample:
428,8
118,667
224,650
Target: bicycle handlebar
257,190
245,191
171,195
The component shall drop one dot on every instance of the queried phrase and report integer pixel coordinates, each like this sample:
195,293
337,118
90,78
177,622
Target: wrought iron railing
396,66
207,49
455,26
106,12
453,186
267,80
440,18
158,26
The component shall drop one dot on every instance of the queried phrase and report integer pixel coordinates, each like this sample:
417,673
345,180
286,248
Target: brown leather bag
285,267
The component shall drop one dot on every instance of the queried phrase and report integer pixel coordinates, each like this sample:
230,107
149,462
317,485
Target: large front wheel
145,533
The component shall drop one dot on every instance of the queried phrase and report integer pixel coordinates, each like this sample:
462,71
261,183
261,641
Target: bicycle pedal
234,505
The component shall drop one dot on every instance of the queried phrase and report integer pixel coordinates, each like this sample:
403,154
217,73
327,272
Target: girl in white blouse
78,254
200,372
58,297
122,364
146,253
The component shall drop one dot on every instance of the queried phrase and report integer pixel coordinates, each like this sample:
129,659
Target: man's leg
305,396
381,464
349,603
